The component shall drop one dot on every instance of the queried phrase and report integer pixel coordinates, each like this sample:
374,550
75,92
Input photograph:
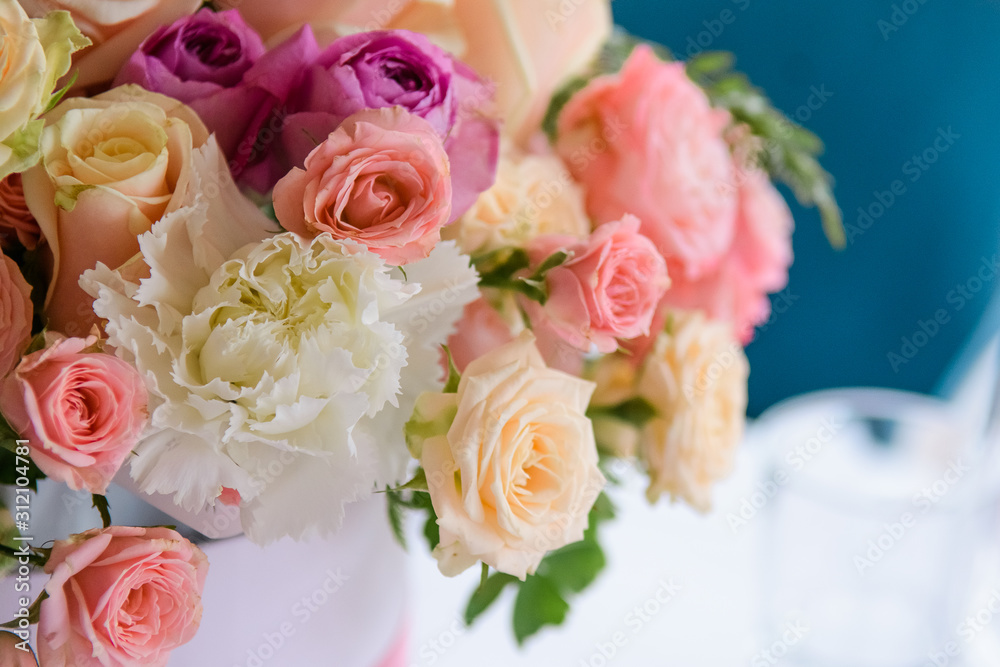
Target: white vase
339,601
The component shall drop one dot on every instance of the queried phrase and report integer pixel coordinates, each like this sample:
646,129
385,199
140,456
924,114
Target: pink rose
608,290
646,141
82,412
120,597
16,312
481,330
755,265
16,221
382,179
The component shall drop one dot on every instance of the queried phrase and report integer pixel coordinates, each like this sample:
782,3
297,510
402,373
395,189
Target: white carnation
284,368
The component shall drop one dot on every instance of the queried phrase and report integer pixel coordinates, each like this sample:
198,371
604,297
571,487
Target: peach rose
646,141
115,27
528,47
16,313
512,471
16,221
120,597
112,165
696,378
382,179
533,195
755,265
608,289
82,412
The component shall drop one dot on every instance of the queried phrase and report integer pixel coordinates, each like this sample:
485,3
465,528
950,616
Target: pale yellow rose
533,195
528,47
116,28
696,378
33,55
111,166
510,461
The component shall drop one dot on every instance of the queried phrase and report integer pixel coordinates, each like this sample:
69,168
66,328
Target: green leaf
603,509
487,593
432,531
33,612
575,566
101,503
552,261
61,93
496,268
711,62
454,377
418,483
37,343
538,604
636,411
397,512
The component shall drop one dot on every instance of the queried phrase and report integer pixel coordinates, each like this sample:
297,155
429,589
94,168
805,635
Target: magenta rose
16,312
205,61
608,289
120,597
646,141
381,179
81,412
382,69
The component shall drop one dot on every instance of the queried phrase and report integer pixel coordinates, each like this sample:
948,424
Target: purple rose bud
204,60
217,48
382,69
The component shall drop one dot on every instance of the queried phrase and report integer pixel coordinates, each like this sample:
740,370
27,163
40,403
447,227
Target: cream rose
513,470
33,55
115,28
529,48
111,166
533,195
696,378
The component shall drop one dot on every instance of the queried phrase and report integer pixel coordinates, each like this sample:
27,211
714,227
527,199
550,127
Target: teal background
892,90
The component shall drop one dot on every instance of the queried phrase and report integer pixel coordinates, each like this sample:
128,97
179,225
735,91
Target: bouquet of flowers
282,257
